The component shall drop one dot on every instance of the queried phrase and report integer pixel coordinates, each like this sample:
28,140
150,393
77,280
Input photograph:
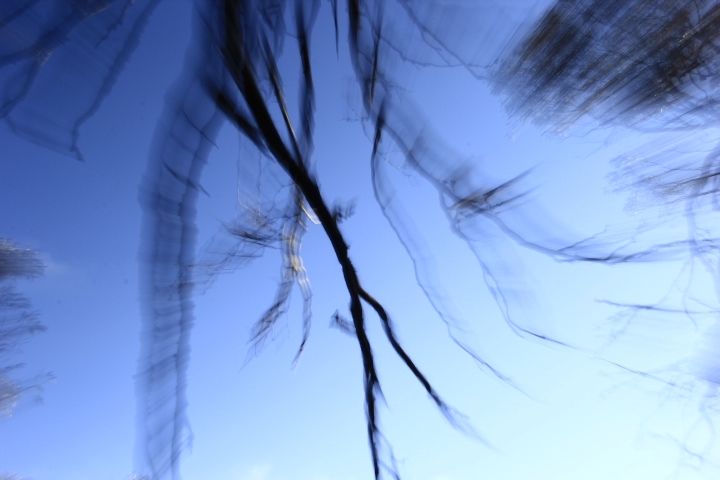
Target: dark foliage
653,66
638,62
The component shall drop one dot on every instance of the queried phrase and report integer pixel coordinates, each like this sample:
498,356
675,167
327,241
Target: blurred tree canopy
634,62
653,66
17,321
649,64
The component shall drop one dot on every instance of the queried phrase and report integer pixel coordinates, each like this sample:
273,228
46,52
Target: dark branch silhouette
647,64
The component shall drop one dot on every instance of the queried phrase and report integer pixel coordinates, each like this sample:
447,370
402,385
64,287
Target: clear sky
571,414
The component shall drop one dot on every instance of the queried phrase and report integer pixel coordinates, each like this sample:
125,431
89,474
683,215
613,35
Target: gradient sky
573,414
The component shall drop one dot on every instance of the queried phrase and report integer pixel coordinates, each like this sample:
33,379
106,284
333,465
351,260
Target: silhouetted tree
17,321
231,74
653,66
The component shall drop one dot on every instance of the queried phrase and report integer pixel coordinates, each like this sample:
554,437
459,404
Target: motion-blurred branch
17,321
648,64
653,66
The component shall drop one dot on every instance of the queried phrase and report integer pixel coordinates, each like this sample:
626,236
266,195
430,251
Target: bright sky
573,415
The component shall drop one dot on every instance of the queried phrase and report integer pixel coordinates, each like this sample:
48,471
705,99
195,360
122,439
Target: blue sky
574,415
